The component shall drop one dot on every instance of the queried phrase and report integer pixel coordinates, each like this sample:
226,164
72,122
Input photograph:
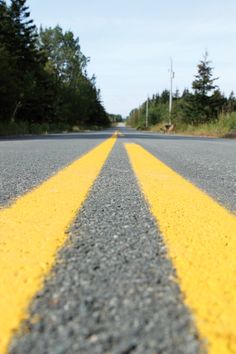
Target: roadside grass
24,128
225,127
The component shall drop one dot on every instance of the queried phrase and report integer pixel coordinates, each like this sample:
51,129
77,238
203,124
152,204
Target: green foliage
204,83
158,112
9,89
13,128
228,122
43,76
78,100
115,118
225,126
204,106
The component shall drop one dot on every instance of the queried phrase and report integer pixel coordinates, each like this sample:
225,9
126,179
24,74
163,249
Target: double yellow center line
33,230
199,233
201,240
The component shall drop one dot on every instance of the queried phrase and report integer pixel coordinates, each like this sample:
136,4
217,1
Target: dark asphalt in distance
112,289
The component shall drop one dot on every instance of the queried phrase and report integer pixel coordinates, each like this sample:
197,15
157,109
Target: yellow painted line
121,134
201,239
115,135
33,230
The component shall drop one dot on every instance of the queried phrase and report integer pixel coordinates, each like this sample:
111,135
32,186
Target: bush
14,128
228,121
59,127
35,128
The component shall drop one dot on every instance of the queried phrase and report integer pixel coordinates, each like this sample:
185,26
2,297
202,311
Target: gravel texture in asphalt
113,289
208,163
26,162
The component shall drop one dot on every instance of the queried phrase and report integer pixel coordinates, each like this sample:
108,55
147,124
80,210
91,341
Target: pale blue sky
130,42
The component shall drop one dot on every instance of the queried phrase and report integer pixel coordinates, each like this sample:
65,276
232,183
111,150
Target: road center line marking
33,230
201,239
121,134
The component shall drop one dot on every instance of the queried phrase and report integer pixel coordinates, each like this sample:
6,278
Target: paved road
24,163
113,288
209,163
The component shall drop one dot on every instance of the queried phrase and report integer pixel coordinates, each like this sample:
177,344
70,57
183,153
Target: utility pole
147,111
172,75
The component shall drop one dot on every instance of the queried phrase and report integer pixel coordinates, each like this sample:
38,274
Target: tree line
115,118
43,78
204,104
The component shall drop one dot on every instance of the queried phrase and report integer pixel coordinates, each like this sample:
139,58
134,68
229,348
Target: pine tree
9,83
230,106
204,83
203,106
4,21
33,103
164,98
43,78
24,36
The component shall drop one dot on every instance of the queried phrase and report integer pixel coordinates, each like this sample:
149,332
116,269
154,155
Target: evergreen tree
9,83
204,83
43,77
230,104
217,104
9,88
185,92
205,104
164,98
4,22
23,36
201,107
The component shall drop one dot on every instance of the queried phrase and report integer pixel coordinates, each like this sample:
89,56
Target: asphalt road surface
114,287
